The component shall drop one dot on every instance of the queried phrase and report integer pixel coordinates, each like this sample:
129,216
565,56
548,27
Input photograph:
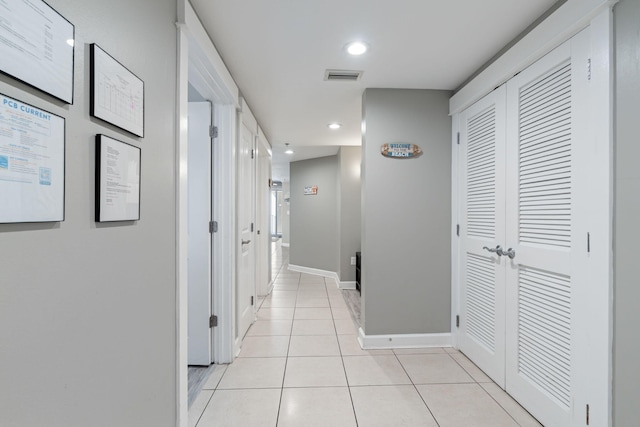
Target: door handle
509,252
497,250
246,242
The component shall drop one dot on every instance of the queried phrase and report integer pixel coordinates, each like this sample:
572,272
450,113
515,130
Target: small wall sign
311,190
400,151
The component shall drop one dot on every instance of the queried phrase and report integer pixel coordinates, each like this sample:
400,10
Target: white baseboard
372,342
347,285
285,245
315,271
324,273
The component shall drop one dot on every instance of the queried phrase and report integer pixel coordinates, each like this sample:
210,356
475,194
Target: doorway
200,292
277,200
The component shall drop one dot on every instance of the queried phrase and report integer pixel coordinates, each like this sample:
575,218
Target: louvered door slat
545,158
481,175
545,334
480,298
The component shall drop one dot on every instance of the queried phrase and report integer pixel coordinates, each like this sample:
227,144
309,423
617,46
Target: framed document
36,46
117,95
32,144
117,180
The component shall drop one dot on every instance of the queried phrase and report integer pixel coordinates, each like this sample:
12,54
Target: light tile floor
301,365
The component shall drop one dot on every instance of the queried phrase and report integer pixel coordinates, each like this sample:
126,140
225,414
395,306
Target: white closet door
542,228
482,147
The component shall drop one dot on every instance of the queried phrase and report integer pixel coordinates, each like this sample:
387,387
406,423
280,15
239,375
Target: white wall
406,213
626,376
88,311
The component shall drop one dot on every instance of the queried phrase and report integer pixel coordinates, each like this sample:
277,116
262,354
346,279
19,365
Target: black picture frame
116,94
32,163
25,60
118,180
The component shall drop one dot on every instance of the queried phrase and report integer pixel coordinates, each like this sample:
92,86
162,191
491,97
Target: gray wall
406,213
626,376
88,311
349,159
314,219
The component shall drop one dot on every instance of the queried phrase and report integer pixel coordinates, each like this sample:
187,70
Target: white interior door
199,239
482,279
524,186
263,236
545,228
245,289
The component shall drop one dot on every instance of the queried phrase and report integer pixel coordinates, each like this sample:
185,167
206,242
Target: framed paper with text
32,144
36,46
117,180
117,95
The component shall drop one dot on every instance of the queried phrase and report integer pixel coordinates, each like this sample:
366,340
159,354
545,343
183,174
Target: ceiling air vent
342,75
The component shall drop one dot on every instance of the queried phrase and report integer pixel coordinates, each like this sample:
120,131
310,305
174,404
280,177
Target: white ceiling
278,51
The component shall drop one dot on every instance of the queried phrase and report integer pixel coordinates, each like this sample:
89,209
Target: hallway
301,365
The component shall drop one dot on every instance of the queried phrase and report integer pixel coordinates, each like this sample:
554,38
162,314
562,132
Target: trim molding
373,342
315,271
347,285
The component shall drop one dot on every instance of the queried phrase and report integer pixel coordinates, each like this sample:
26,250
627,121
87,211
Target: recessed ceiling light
357,48
334,126
289,151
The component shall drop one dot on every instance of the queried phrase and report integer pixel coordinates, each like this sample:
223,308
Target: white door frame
263,211
568,20
200,64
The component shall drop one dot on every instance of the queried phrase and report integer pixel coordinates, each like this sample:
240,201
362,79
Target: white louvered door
482,148
543,228
523,186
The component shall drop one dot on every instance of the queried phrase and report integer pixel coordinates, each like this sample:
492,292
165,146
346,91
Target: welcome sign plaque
400,151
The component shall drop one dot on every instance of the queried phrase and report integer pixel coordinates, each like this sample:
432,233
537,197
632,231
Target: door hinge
251,299
589,69
588,242
457,320
252,227
252,153
587,414
458,230
213,131
213,226
213,321
458,138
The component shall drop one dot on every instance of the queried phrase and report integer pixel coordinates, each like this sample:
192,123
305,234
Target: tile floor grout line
205,407
479,384
344,368
416,389
503,408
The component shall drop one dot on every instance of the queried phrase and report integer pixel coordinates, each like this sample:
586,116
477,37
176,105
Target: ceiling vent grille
342,75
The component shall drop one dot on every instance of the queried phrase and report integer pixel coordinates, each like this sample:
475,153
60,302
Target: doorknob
246,242
497,250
